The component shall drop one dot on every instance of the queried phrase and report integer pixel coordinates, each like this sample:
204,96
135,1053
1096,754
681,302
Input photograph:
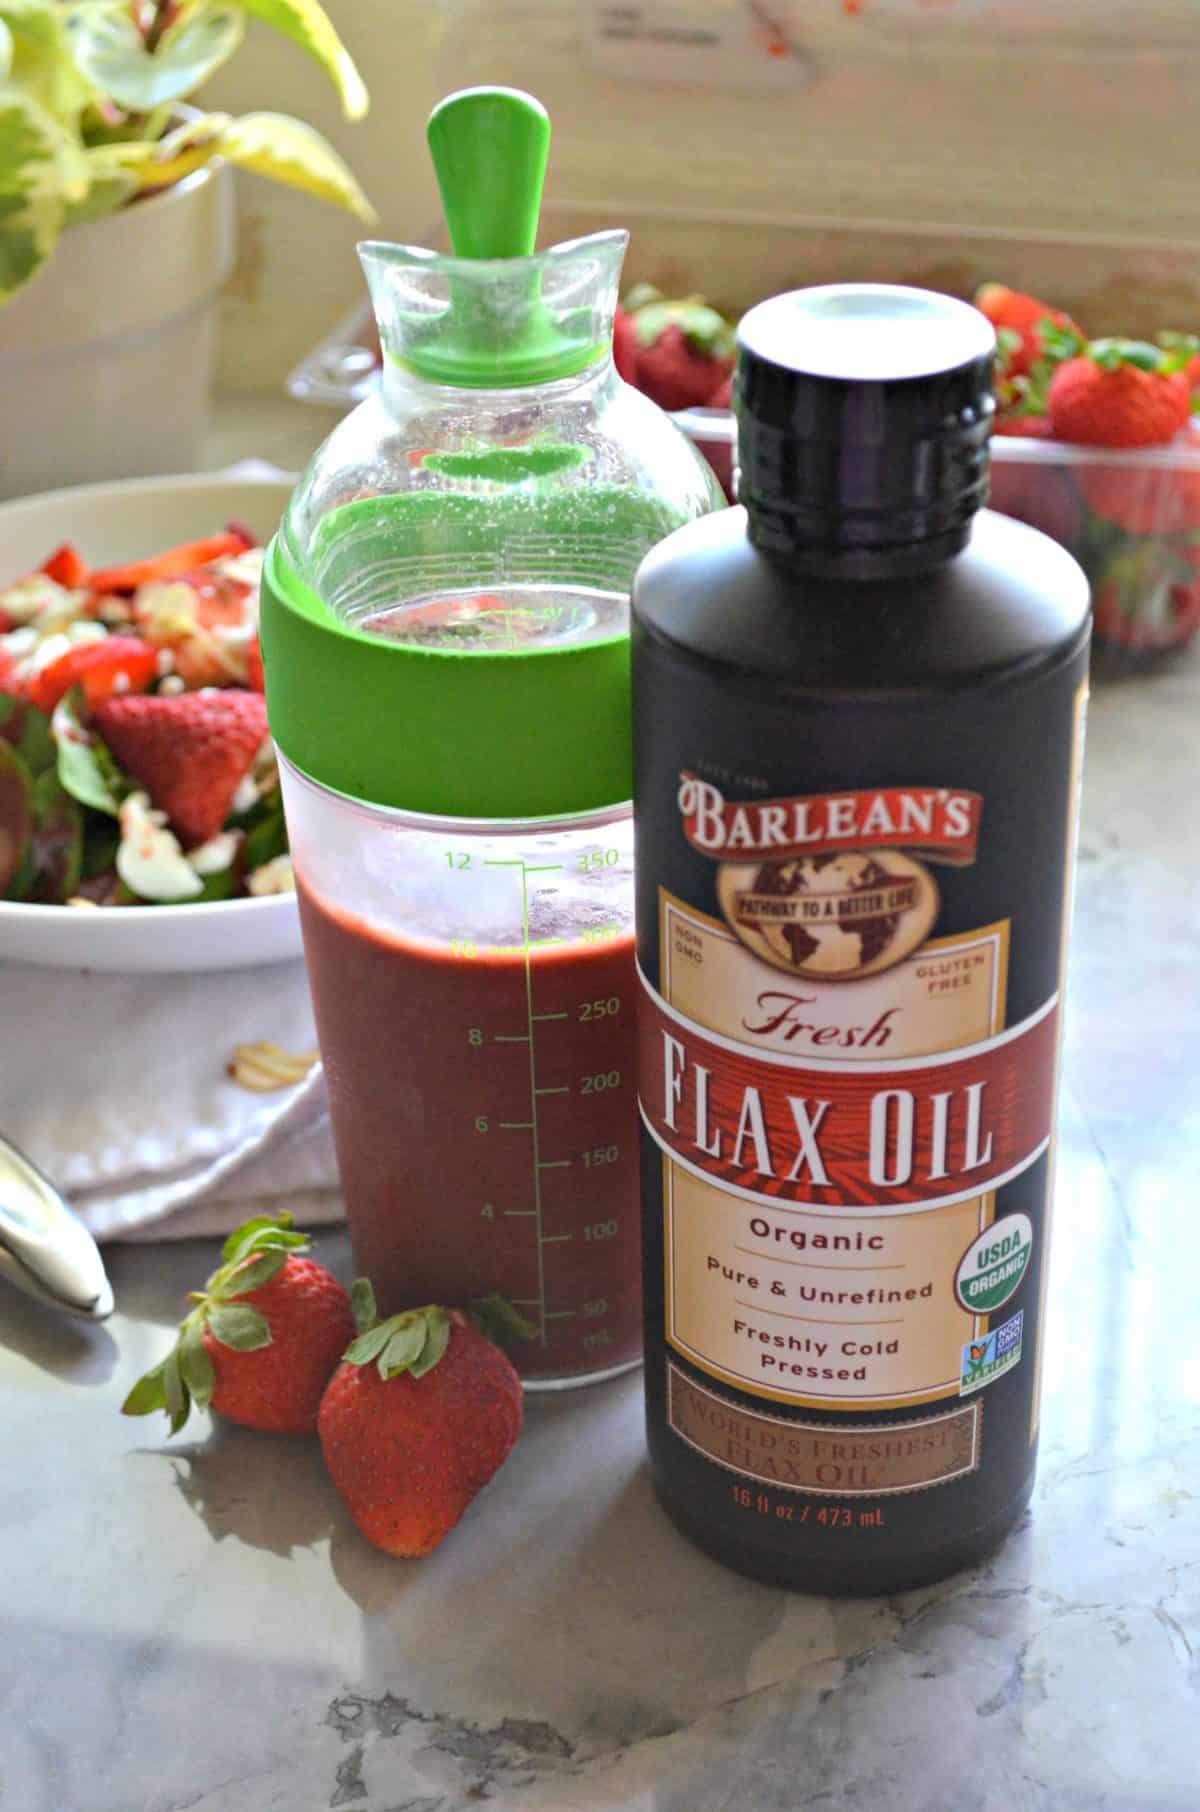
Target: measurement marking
524,1302
533,1089
543,943
805,1266
555,1239
821,1321
516,1125
554,1091
495,862
542,868
558,1314
518,1213
554,1164
511,1038
541,1016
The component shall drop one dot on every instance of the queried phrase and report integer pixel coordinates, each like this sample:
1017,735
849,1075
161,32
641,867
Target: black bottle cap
864,411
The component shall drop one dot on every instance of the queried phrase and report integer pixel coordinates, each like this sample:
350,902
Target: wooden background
1052,143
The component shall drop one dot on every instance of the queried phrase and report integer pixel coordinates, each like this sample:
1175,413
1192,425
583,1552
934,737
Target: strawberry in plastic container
1132,519
685,349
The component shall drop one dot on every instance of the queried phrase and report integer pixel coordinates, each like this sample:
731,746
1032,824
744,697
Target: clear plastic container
475,993
446,645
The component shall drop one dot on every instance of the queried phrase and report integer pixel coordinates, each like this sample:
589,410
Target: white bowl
110,523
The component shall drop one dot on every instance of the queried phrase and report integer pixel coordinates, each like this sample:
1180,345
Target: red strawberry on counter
262,1341
416,1420
685,352
1119,393
189,750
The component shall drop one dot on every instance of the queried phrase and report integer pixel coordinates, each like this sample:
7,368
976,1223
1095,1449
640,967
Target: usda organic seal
991,1268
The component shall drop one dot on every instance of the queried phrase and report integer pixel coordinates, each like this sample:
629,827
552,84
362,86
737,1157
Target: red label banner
922,1130
942,821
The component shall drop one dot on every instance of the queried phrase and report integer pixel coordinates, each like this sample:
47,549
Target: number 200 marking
600,1082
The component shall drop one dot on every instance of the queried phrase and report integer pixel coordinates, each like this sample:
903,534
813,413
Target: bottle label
838,1097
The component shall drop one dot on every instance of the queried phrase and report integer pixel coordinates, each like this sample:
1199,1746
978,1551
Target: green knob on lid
489,148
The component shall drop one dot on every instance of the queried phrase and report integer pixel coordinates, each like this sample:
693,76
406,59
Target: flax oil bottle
859,704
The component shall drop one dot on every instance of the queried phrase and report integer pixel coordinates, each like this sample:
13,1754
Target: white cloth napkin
116,1086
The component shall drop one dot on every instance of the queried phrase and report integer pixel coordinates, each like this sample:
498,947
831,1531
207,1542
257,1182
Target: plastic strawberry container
1131,519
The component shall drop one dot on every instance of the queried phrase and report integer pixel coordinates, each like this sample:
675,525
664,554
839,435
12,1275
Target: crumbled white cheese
29,597
149,858
243,569
217,854
261,779
51,648
275,876
246,796
19,642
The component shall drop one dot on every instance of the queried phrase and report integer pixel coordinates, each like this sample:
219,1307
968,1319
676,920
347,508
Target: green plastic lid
495,328
476,709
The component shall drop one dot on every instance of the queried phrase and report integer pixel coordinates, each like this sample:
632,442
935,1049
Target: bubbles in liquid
504,620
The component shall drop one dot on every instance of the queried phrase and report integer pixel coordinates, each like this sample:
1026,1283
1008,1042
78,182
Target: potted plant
116,221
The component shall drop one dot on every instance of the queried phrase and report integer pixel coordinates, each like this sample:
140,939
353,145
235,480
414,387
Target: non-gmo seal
991,1268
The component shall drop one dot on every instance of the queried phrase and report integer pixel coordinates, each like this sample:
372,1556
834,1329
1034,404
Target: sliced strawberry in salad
67,567
118,663
190,751
175,563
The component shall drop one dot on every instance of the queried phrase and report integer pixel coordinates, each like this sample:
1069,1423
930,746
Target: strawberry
118,664
1156,500
1146,598
420,1414
67,567
1026,427
1185,348
262,1341
255,677
174,563
1042,496
1119,393
1018,320
207,618
685,351
190,751
625,345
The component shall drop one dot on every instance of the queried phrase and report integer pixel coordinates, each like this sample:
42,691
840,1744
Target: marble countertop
195,1626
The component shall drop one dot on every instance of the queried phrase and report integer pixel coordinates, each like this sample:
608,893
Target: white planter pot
106,358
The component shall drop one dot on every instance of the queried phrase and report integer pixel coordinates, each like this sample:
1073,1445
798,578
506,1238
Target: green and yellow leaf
111,183
286,149
111,53
37,170
188,147
307,24
40,62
